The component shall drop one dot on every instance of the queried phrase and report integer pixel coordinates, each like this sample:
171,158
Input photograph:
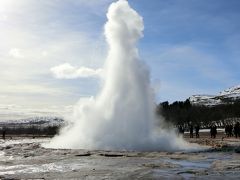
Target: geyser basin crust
121,117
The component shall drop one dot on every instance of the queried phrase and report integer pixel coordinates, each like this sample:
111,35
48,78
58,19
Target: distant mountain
227,96
47,121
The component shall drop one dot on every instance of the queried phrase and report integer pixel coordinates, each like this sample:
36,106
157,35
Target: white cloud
31,45
31,89
91,2
3,17
67,71
16,53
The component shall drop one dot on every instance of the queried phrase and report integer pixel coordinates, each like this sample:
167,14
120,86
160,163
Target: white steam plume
122,116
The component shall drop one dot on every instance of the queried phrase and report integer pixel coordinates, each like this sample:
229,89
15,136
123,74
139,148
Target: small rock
85,154
8,147
237,150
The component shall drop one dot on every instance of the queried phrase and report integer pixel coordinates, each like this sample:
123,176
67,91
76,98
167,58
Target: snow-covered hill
231,92
207,100
34,121
227,96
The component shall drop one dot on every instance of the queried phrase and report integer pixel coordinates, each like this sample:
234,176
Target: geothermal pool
26,159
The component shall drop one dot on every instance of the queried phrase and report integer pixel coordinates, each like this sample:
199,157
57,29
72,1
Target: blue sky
191,47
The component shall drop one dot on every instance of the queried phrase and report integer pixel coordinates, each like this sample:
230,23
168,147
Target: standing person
211,131
237,130
182,130
227,130
4,134
191,131
197,128
230,130
214,131
179,129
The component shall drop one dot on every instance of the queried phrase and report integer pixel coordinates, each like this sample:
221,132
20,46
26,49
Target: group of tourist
181,130
231,130
197,128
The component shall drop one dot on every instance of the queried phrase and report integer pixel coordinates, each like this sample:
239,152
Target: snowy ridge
40,121
227,96
232,93
207,100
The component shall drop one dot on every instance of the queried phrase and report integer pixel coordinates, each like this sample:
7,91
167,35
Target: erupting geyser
121,117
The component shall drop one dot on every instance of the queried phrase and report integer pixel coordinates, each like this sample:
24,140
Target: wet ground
26,159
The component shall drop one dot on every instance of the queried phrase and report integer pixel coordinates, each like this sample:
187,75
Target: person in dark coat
230,130
227,130
213,131
197,128
237,130
4,134
191,131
